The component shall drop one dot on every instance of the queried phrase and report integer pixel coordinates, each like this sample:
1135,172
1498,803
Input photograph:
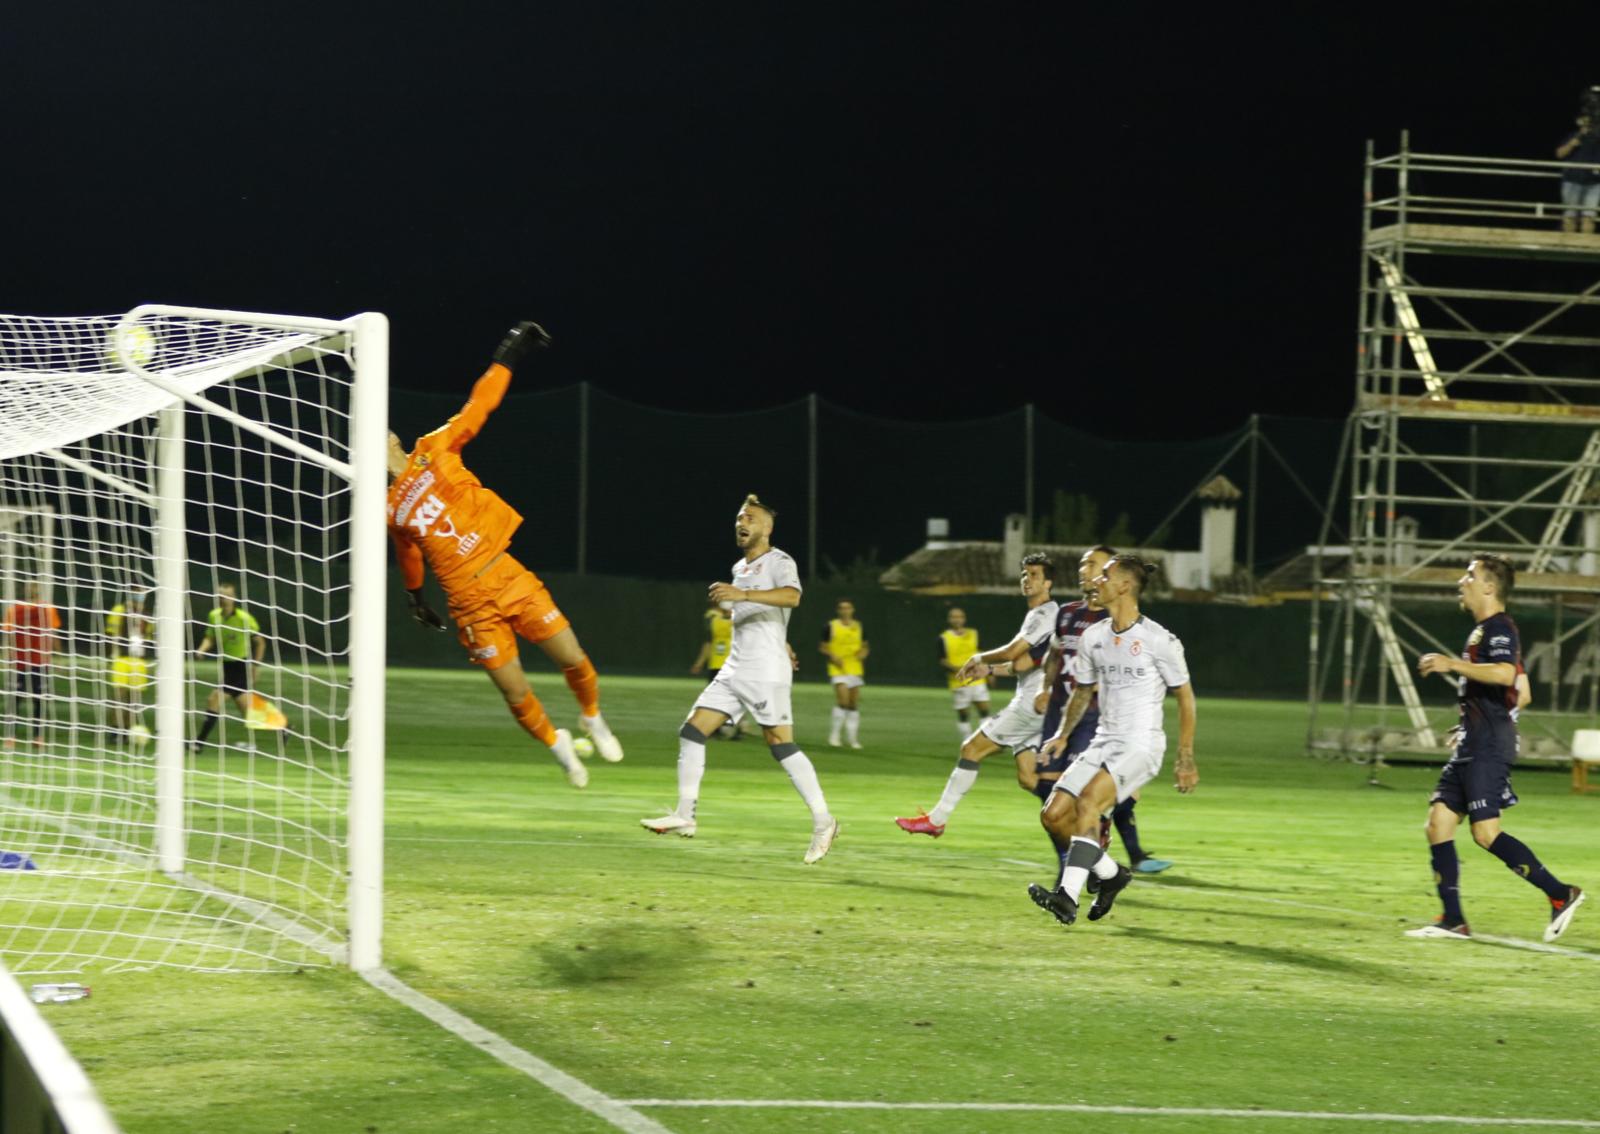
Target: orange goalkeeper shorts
507,599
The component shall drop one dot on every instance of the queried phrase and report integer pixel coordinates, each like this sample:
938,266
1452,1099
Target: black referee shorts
235,676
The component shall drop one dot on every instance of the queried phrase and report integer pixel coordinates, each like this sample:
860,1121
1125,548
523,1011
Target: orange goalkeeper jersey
438,511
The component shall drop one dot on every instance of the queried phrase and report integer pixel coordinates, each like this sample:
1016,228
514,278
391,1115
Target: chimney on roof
938,532
1219,514
1012,544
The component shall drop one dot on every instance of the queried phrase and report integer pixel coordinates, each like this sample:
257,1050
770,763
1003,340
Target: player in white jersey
1132,661
757,677
1016,726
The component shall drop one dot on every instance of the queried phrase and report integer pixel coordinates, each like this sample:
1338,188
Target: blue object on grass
15,860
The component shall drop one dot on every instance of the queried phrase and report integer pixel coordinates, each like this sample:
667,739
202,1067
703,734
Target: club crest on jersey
1137,647
422,461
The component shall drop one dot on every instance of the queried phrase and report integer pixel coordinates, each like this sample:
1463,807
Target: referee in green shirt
235,634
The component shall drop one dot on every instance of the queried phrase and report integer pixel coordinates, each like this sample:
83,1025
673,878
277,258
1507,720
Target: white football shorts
965,696
1016,726
768,702
1131,762
848,680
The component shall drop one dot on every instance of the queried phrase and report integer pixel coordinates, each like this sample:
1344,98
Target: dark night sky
922,210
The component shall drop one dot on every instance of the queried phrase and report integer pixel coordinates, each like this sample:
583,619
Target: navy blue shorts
1477,785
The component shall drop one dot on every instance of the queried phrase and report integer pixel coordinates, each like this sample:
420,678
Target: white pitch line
619,1114
1130,1111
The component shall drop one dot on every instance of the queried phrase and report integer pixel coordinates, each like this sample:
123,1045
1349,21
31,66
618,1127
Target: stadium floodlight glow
144,460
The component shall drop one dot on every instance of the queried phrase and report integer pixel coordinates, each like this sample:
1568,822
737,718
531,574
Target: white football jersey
1133,670
760,649
1039,627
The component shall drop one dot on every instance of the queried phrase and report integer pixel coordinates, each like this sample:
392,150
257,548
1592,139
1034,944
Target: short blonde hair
754,501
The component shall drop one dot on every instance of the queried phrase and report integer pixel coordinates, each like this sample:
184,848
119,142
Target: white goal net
173,478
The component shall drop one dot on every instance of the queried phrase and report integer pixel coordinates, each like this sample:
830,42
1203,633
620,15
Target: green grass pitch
1265,970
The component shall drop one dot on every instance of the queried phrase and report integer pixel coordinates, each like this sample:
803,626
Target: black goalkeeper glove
520,342
422,612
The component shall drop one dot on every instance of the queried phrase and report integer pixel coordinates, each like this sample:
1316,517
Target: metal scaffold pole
1475,429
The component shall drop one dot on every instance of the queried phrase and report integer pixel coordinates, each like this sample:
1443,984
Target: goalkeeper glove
422,612
520,342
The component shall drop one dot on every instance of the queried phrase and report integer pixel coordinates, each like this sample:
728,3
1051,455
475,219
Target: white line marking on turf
1132,1111
617,1113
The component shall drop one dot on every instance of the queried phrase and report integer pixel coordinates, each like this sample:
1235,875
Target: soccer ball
139,737
134,346
583,746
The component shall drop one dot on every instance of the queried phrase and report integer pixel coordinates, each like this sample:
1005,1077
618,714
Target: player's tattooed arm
1185,772
1052,674
1076,707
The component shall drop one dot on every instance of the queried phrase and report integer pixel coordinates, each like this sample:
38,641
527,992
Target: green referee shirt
232,633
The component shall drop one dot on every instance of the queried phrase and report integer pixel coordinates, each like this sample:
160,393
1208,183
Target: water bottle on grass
57,993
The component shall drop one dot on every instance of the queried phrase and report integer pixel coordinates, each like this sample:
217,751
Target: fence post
811,488
1027,464
1250,501
583,478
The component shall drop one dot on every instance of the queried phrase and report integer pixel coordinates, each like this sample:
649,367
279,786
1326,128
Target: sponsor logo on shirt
418,487
1500,640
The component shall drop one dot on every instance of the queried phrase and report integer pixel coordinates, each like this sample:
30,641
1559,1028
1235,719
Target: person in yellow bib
844,644
129,640
719,637
957,643
235,635
713,652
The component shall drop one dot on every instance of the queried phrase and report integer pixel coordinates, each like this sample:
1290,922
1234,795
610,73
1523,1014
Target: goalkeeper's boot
670,824
605,741
1439,929
920,824
1561,911
822,840
1055,902
567,756
1109,889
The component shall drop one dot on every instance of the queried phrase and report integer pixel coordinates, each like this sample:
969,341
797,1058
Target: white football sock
691,767
803,775
852,725
1079,863
963,730
838,723
1105,867
961,780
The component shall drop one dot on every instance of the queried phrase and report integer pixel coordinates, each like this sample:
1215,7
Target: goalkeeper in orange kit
441,514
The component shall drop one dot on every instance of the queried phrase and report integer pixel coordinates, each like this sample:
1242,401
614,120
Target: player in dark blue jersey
1071,620
1476,782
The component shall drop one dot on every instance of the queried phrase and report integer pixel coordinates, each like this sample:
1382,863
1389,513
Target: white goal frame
368,474
364,340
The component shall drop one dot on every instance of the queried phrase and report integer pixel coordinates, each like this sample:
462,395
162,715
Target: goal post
185,458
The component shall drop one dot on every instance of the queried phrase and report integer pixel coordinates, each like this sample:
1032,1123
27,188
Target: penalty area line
1130,1111
619,1114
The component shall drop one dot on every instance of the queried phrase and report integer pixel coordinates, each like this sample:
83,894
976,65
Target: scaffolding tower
1476,428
